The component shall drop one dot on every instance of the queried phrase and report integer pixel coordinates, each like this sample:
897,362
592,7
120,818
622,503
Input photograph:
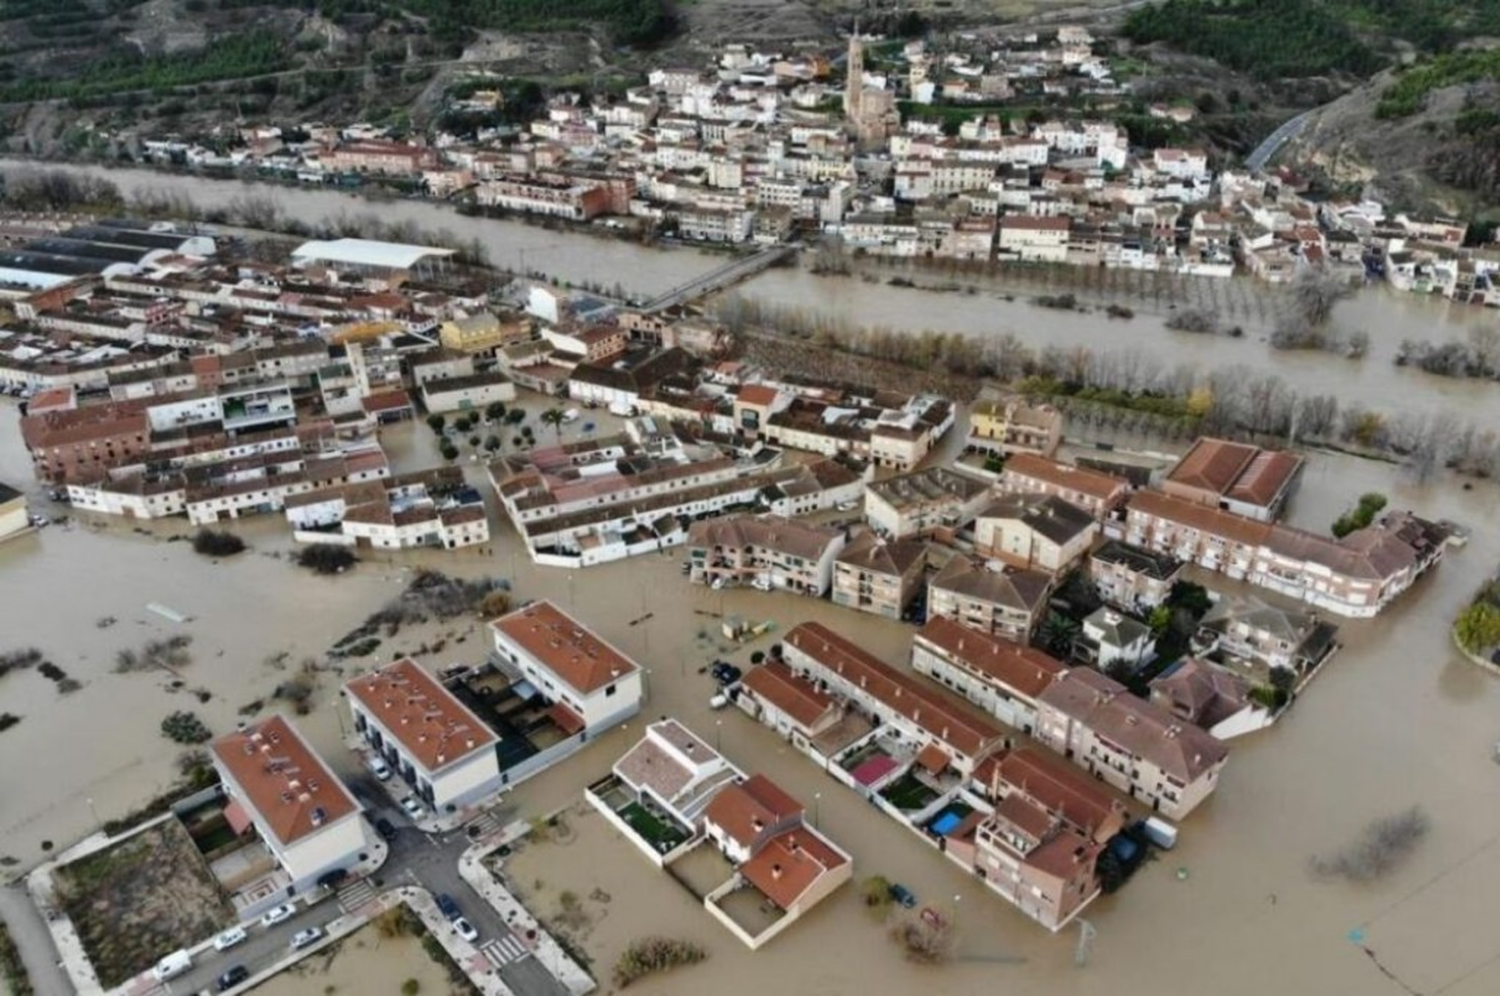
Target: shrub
924,939
449,451
875,891
217,543
410,987
654,954
185,728
326,558
1383,845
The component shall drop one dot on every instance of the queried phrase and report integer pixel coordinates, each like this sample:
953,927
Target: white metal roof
367,252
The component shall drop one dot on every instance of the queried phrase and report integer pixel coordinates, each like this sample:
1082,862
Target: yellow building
1006,427
482,333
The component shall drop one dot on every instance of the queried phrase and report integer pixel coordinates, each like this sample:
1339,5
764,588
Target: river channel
1374,382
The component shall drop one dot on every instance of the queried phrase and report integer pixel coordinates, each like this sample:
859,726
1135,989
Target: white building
569,665
430,739
302,813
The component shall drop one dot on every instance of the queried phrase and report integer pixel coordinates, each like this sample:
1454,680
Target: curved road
1262,153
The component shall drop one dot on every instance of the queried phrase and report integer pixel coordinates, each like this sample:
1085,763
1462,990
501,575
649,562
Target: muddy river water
1397,719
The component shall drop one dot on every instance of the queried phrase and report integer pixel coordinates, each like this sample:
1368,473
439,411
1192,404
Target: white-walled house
428,737
569,665
300,809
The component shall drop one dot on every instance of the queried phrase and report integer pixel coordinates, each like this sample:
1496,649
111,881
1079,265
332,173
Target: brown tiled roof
797,697
737,809
431,724
565,647
1144,729
1024,590
1266,476
1062,789
1093,483
789,864
282,779
771,532
1025,669
1202,518
868,552
1213,465
651,765
937,712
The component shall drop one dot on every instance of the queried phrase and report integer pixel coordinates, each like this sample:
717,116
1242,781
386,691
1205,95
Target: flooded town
794,587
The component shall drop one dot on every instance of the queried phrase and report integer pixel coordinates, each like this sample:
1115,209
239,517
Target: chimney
776,871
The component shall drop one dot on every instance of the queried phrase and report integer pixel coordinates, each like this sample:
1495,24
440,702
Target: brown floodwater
364,962
1397,719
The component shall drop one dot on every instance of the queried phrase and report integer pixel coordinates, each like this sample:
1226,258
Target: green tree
555,418
492,443
475,441
1056,635
449,451
1161,618
1478,627
495,411
437,422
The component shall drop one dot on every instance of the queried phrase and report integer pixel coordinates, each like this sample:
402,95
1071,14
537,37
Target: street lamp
718,733
92,811
817,810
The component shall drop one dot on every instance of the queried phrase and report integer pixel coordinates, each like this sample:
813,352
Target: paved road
416,858
29,932
1273,142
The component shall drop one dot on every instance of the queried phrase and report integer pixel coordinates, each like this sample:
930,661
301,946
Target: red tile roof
935,711
737,809
1022,668
1093,483
562,644
432,725
797,697
282,780
789,864
1200,517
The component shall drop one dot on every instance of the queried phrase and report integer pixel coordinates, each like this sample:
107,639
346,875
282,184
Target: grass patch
12,971
661,834
141,899
908,793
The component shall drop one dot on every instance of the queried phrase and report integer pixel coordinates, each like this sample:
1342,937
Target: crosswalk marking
352,897
504,950
483,825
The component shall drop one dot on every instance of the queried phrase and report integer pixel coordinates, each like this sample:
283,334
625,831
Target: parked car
466,930
229,938
172,966
306,936
726,673
761,584
385,828
277,915
233,977
902,896
413,808
378,767
717,584
448,907
848,506
571,415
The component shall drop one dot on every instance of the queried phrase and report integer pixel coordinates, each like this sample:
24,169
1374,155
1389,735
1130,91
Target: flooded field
1398,719
365,962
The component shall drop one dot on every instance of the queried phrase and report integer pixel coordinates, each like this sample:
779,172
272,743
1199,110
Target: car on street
902,896
277,915
229,938
761,584
448,907
466,930
233,977
413,808
717,584
379,768
848,506
385,828
306,936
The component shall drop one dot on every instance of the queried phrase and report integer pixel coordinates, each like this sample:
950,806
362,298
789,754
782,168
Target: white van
172,966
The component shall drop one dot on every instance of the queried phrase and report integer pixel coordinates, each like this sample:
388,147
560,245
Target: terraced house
781,553
1134,745
873,575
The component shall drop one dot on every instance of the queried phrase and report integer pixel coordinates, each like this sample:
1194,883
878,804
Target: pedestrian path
484,825
353,897
504,950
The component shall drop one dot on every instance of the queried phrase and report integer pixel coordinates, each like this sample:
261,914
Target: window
610,690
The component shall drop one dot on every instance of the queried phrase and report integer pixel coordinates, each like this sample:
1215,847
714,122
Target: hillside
1443,156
